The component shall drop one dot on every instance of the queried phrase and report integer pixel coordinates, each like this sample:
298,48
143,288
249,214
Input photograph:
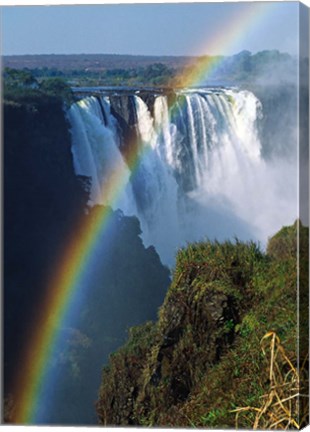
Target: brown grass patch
286,403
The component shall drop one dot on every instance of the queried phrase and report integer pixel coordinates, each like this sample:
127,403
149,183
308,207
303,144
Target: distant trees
57,87
158,73
22,85
243,67
52,80
154,74
19,78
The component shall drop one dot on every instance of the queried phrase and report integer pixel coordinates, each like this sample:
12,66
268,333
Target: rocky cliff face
42,198
122,108
203,357
43,201
124,290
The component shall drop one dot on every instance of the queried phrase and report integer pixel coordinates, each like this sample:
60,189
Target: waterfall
96,152
200,170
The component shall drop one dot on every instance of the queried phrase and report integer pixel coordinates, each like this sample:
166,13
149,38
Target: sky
148,29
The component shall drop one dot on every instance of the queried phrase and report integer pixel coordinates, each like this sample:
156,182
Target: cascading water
96,152
200,171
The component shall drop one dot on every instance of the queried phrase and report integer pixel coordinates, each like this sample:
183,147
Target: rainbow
64,288
225,41
59,297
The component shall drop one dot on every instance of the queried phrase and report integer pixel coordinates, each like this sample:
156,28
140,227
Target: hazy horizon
137,55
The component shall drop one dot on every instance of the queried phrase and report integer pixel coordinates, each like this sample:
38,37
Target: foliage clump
21,87
202,359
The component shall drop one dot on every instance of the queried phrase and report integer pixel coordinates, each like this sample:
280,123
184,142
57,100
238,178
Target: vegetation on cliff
20,87
203,359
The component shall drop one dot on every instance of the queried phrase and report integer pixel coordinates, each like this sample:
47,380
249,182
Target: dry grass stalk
285,406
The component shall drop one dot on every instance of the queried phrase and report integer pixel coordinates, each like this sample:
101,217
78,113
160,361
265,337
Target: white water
96,153
201,173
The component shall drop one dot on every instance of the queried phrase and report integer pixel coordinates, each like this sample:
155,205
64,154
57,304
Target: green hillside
226,338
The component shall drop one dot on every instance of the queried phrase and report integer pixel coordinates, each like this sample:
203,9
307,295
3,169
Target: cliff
202,358
43,202
42,198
